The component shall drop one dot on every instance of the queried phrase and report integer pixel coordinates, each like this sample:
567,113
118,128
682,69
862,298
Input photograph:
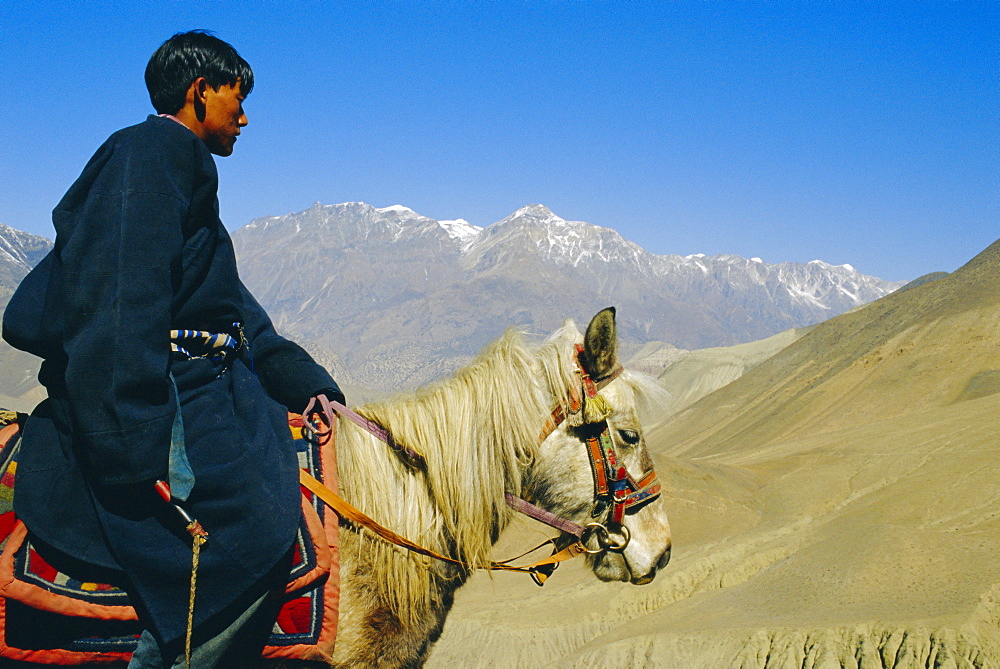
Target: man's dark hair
187,56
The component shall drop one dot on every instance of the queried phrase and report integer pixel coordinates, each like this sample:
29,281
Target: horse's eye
630,436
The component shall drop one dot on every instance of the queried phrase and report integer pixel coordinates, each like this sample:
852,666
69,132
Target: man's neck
172,118
186,117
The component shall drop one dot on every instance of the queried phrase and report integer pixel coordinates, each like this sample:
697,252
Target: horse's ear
600,344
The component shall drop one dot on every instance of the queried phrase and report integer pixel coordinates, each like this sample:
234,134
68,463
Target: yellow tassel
596,409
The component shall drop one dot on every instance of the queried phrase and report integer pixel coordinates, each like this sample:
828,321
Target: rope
198,537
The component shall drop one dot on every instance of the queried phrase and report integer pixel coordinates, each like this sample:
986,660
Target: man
160,366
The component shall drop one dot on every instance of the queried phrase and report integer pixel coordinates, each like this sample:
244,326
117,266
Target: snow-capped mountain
19,252
388,297
356,222
535,231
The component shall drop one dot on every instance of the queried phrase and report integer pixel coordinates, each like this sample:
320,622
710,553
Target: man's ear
198,94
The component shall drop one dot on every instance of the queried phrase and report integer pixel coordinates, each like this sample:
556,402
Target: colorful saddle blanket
48,617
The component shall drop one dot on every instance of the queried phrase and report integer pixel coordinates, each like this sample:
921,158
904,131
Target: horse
552,429
478,432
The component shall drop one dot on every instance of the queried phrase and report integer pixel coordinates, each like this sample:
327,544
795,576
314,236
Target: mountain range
389,298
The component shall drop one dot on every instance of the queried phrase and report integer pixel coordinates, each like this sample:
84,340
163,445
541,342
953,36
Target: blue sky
862,133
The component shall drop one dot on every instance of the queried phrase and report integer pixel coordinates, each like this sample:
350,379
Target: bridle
615,490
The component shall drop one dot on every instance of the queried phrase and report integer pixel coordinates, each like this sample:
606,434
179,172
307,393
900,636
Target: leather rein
614,487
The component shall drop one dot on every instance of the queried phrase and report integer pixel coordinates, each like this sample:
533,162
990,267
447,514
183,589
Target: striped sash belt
214,346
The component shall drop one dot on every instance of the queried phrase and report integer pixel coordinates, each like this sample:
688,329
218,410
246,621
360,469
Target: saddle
50,617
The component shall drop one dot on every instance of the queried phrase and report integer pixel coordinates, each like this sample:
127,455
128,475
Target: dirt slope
705,370
921,348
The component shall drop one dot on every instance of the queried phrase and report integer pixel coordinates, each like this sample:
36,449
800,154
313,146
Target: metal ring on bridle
604,538
590,528
605,541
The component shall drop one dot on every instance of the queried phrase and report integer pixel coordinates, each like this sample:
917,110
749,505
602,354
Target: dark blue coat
140,250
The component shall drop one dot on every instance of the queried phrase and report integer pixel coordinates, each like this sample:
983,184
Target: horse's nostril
664,558
643,580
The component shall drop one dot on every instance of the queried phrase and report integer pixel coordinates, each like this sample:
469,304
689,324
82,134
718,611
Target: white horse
479,434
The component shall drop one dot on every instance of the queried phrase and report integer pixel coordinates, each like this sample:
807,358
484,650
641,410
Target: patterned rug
50,617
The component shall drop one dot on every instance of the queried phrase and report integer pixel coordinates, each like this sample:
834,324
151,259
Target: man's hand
332,394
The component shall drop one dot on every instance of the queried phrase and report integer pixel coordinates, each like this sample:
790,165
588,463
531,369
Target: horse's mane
478,431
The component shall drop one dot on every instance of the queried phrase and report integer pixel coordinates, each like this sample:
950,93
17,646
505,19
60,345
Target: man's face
224,117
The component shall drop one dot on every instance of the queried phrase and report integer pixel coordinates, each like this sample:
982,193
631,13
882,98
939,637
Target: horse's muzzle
651,574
